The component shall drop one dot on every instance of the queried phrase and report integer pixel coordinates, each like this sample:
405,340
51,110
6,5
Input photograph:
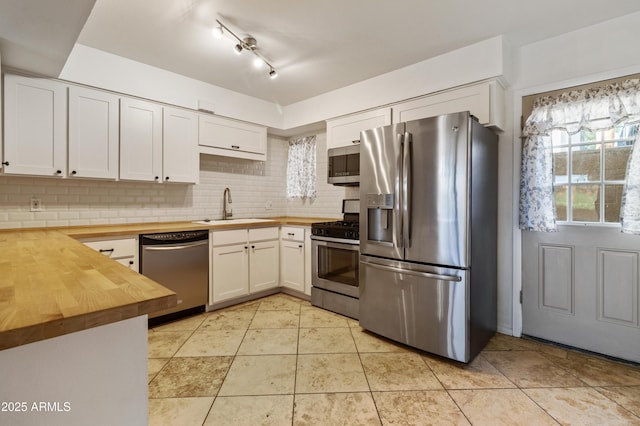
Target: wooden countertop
51,284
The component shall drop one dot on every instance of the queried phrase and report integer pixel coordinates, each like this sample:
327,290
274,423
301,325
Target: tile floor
280,361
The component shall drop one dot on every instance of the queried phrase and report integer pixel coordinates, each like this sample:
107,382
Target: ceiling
315,45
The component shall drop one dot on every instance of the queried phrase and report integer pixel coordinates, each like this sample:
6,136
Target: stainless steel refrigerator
428,234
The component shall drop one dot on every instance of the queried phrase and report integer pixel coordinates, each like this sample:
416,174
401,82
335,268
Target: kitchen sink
230,221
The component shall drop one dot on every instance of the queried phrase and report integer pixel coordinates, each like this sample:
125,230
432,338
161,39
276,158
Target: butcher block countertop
51,284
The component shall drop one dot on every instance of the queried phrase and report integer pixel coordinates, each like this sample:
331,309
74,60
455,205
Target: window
589,171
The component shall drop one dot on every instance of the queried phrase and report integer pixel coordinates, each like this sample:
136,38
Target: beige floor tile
494,407
154,365
164,344
178,411
260,375
601,372
581,406
328,373
190,377
478,374
398,371
311,317
530,369
433,407
227,320
212,343
279,302
265,410
185,324
627,396
251,305
275,319
325,340
369,342
269,342
335,409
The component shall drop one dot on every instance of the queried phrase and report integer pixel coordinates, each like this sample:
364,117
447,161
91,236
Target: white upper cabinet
232,138
485,100
93,134
180,146
35,126
140,140
345,131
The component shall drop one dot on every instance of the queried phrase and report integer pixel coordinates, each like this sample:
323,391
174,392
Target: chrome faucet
226,204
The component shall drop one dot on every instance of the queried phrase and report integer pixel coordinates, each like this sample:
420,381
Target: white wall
598,52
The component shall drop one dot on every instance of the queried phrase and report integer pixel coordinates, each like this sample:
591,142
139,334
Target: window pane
560,172
585,164
585,203
560,193
616,156
612,201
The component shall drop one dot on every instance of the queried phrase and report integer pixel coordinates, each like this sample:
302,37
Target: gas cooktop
344,229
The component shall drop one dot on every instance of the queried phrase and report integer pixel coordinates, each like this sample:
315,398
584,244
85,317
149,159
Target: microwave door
380,191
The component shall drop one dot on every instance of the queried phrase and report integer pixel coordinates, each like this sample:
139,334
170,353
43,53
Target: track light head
217,31
238,48
273,73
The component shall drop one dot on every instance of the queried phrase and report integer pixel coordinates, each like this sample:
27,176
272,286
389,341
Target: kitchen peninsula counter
53,285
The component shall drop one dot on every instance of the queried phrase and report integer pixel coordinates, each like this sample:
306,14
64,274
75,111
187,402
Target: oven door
335,266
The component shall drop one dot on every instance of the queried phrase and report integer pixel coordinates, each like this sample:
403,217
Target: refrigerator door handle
416,273
406,189
398,222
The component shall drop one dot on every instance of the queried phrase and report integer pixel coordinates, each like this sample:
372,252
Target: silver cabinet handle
416,273
357,141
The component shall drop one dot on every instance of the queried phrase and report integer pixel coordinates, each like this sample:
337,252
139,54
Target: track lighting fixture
248,43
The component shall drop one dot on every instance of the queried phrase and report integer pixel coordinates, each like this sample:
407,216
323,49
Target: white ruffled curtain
573,111
301,168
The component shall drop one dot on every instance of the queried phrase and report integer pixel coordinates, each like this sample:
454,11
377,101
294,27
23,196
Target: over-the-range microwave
344,165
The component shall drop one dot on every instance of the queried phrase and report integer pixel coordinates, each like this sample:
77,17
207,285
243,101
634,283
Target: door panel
581,288
439,178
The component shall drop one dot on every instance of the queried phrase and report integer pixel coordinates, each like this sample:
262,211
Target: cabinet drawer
292,234
114,248
232,236
259,234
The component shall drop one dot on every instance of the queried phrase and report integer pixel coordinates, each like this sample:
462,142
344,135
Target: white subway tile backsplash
77,202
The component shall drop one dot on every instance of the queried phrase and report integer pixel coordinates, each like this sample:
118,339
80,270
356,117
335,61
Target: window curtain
573,111
301,168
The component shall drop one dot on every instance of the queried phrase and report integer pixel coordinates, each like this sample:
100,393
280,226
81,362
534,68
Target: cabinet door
263,265
35,126
180,146
222,136
484,100
229,268
93,134
293,262
345,131
140,140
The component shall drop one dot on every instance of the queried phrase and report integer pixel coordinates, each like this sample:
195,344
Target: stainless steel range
335,262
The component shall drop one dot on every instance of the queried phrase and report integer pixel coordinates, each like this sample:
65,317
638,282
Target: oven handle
416,273
335,243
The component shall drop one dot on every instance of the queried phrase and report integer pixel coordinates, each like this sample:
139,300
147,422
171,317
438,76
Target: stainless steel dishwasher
180,262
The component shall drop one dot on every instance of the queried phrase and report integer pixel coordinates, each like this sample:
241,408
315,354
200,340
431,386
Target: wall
69,202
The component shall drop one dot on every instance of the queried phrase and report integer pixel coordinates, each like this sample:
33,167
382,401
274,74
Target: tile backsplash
257,189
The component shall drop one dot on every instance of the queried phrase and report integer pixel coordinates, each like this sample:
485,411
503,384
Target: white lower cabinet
123,250
293,258
243,261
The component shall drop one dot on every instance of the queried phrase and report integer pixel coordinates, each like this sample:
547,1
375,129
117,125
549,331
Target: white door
293,263
581,284
263,265
93,134
35,126
140,140
180,146
230,267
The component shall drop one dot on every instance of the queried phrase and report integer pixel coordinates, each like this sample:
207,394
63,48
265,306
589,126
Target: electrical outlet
36,205
268,205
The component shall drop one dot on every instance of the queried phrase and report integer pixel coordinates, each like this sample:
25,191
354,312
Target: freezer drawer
422,306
